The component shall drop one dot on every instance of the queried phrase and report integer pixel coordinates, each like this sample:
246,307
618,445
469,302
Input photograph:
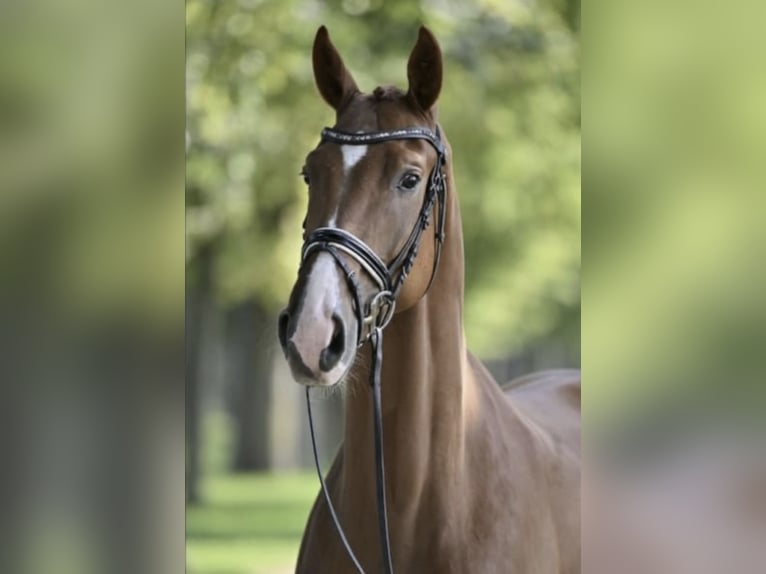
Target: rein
374,315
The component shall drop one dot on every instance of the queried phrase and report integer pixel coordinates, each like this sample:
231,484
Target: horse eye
409,181
305,176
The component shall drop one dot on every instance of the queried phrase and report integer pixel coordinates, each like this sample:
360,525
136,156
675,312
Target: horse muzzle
318,331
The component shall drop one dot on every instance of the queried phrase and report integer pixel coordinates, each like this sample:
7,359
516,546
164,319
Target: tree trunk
197,293
250,344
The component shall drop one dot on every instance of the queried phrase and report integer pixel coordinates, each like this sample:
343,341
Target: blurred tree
510,106
249,94
197,304
249,337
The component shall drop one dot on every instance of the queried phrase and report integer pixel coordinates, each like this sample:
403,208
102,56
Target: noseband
375,314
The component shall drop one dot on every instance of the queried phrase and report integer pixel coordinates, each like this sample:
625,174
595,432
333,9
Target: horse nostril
334,351
284,319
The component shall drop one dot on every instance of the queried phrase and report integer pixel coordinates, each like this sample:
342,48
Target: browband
364,138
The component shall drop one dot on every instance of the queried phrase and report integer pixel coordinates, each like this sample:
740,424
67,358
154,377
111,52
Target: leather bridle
374,315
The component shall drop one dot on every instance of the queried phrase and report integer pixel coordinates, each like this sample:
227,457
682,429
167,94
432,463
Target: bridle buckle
380,311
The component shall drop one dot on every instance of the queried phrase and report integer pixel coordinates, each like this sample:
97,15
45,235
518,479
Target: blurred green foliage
91,160
675,199
91,285
510,106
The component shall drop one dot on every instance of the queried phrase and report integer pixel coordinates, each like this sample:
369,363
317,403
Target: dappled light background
510,106
673,288
91,286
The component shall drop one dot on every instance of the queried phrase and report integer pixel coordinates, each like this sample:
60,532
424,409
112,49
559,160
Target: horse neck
423,380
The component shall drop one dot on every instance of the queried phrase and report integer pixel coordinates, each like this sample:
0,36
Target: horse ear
334,81
424,70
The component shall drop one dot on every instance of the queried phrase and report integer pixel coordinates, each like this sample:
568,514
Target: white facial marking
351,155
315,326
322,289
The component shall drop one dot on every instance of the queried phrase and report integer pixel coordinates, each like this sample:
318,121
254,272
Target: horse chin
324,380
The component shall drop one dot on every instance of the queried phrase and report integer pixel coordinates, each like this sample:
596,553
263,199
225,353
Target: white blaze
315,326
351,155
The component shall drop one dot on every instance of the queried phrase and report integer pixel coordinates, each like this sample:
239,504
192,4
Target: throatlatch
374,315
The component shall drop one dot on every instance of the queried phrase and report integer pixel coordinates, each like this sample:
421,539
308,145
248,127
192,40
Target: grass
248,523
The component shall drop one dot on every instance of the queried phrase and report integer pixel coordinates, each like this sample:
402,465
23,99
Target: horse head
377,195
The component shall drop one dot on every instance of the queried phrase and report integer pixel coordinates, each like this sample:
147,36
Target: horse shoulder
551,401
533,425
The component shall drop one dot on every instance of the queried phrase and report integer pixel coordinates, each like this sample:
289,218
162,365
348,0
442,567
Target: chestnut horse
480,477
